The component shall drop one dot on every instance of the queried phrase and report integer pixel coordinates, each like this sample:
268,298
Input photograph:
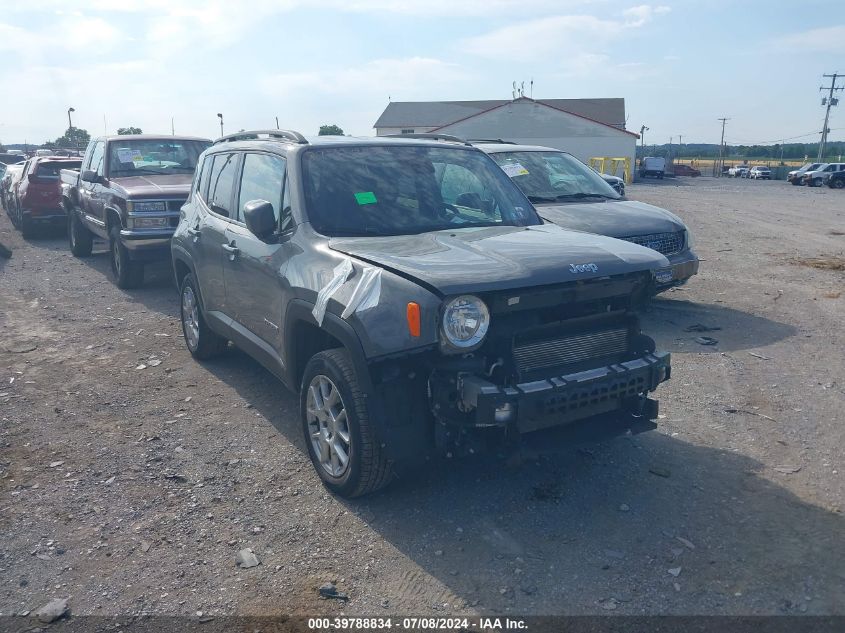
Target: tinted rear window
52,169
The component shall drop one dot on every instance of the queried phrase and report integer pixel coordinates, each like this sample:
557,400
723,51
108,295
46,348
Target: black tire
839,183
208,343
368,469
816,182
27,226
125,272
5,251
796,183
80,238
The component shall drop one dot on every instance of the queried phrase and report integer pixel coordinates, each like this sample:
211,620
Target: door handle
232,250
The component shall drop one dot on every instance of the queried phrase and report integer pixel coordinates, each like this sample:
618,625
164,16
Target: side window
262,179
88,153
286,221
221,183
201,178
97,156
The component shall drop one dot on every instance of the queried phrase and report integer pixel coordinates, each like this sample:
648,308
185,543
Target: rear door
253,271
217,185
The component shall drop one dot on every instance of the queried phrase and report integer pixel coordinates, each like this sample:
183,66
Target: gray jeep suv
411,295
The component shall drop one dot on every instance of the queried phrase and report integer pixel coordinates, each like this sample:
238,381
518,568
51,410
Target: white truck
653,166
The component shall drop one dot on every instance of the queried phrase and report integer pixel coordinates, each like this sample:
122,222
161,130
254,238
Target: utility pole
829,101
220,116
643,130
721,162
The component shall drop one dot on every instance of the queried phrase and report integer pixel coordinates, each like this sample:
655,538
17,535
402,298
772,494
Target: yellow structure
601,164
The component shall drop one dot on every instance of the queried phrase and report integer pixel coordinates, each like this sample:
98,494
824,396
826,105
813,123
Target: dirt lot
130,490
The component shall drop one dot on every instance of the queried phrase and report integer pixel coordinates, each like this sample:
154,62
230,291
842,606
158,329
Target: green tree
74,138
330,130
123,131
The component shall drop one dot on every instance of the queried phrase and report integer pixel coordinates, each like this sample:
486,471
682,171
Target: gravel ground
131,476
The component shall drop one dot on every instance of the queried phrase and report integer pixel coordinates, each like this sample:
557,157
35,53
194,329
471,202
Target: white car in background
738,171
760,172
816,177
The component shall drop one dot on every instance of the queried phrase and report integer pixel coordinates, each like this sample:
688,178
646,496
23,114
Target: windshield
553,176
153,156
408,190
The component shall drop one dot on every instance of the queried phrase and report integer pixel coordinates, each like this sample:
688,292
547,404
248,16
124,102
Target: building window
407,131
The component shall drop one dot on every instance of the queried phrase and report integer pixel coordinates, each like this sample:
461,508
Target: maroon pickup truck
129,191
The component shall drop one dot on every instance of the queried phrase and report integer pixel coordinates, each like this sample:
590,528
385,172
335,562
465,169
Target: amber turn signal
414,318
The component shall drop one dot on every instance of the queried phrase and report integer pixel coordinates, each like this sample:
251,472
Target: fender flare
301,310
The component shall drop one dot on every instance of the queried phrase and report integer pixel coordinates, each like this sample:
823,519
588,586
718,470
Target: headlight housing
464,324
689,242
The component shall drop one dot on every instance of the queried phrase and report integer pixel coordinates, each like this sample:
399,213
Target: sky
679,65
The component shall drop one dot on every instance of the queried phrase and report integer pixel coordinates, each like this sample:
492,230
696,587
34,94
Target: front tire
126,273
80,238
338,431
201,341
816,182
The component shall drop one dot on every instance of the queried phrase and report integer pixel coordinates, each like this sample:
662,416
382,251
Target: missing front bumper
559,400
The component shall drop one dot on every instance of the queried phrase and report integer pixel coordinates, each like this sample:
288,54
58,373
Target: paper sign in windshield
514,169
128,155
365,197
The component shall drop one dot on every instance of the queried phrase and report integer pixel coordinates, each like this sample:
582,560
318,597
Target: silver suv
411,295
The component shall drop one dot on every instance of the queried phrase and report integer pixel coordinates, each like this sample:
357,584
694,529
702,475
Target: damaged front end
552,356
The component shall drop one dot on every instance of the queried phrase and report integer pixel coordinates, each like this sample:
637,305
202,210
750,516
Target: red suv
38,199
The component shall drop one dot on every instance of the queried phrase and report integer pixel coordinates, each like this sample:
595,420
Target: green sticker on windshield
365,197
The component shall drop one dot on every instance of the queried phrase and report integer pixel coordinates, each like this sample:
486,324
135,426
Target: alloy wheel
190,317
328,425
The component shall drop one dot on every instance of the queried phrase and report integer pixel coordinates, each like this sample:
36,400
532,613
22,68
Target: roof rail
490,140
431,136
267,135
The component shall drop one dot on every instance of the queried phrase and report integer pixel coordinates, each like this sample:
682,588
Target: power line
829,101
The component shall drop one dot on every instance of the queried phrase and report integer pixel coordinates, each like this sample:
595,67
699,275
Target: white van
652,166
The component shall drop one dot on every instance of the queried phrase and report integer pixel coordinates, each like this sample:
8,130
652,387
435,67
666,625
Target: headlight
465,322
688,239
143,207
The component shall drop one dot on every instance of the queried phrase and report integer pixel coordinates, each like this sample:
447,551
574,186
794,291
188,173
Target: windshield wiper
581,194
541,199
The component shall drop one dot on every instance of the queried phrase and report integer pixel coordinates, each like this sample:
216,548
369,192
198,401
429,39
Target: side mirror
260,218
89,175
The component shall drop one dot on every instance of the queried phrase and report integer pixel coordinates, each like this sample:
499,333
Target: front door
254,269
90,193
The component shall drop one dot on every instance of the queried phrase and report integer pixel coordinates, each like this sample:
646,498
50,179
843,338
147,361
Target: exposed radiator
570,349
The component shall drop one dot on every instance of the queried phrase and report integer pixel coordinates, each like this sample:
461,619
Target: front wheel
126,273
816,182
338,431
80,238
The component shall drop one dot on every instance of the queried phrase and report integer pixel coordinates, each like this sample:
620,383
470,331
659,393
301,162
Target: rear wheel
80,238
202,342
338,430
839,183
27,226
126,273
